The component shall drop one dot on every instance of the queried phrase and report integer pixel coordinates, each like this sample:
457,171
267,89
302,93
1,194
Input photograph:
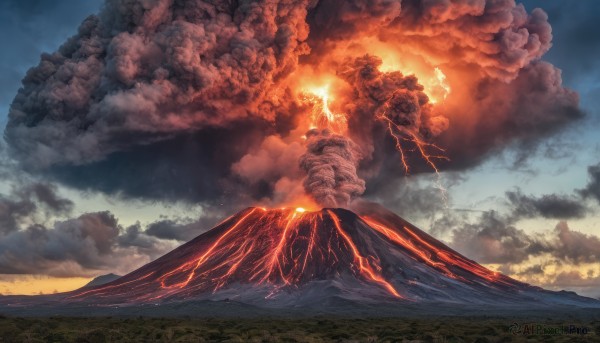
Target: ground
314,329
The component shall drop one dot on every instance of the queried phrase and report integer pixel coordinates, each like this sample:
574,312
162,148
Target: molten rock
289,257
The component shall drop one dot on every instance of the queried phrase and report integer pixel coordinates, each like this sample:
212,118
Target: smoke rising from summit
330,164
166,92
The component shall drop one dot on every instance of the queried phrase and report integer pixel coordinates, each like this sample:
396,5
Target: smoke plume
330,163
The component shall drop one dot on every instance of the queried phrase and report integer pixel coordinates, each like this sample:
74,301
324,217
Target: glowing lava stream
362,262
279,251
103,289
395,237
445,256
202,258
459,261
286,247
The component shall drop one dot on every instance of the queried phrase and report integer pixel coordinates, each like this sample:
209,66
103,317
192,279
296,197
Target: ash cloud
142,71
274,169
379,98
77,247
166,99
497,37
330,164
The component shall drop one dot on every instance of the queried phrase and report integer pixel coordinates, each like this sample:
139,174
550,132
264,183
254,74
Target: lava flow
289,251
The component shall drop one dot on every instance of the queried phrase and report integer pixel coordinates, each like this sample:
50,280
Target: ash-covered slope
287,257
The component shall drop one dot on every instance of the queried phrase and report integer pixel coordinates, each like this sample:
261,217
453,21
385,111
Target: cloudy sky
528,209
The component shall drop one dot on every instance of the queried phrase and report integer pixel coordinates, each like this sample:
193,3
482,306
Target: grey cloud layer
592,189
493,239
34,239
547,206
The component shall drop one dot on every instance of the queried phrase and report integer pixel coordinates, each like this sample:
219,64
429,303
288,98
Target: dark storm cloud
35,239
77,247
494,238
413,199
169,229
184,229
161,99
592,189
536,269
30,200
575,247
547,206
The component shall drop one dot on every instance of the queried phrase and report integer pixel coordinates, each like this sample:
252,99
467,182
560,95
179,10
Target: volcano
291,257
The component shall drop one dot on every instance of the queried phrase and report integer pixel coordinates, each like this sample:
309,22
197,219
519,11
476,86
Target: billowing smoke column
201,100
330,163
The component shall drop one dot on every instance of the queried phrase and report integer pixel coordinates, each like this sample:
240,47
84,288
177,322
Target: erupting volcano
285,257
229,104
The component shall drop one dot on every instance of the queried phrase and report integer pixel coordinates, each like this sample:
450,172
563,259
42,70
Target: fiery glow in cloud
322,116
235,87
441,79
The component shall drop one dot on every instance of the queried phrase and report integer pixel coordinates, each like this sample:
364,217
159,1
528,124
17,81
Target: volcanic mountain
290,257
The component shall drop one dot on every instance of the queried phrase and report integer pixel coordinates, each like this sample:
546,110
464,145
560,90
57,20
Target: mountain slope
288,257
101,280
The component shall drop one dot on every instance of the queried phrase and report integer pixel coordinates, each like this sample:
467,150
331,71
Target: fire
441,78
429,73
322,117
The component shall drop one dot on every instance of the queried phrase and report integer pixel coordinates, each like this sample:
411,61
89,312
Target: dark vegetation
316,329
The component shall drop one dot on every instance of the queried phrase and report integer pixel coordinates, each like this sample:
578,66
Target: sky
497,212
